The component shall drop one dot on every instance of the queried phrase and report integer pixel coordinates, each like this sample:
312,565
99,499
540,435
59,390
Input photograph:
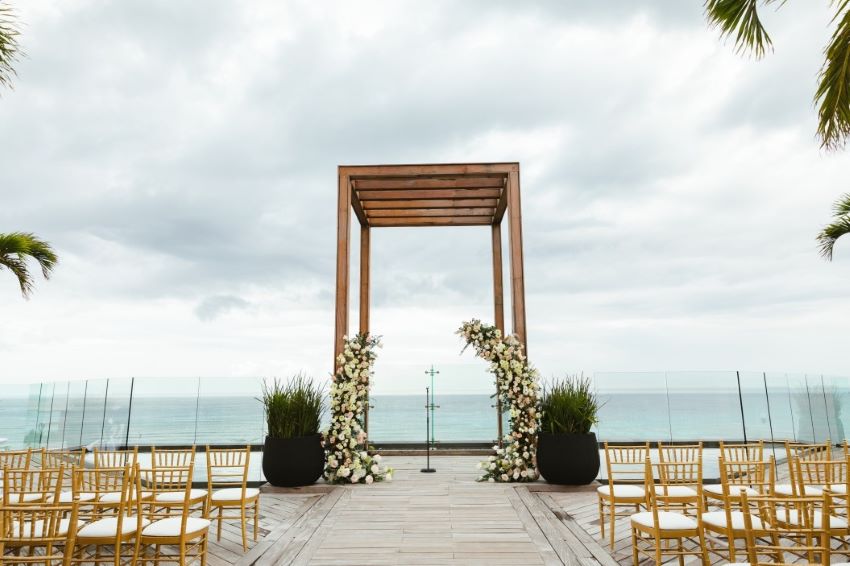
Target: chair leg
601,519
242,522
256,517
220,519
681,550
635,557
612,509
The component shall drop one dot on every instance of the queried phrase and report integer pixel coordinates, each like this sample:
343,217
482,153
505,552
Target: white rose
375,469
369,479
504,477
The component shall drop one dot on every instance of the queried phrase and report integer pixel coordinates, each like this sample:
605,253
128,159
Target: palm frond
10,52
16,247
842,205
830,233
740,18
833,93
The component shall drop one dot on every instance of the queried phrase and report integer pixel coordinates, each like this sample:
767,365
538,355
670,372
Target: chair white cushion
718,519
110,497
39,528
108,527
734,490
234,494
786,489
175,496
622,490
170,527
68,497
792,517
838,488
25,497
667,521
675,491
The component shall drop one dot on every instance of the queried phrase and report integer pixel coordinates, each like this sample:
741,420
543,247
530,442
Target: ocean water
73,420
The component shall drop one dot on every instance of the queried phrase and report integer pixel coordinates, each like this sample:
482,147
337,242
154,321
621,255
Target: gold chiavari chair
170,493
31,486
112,531
807,452
731,452
227,484
654,531
787,529
115,458
626,466
738,478
680,476
172,525
37,534
15,460
68,460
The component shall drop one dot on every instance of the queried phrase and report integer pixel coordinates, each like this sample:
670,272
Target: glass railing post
741,405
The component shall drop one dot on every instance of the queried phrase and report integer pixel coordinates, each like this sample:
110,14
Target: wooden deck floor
441,518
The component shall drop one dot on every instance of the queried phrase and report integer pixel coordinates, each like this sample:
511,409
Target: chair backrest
38,534
626,463
829,474
64,458
680,464
115,458
115,491
228,467
172,458
807,451
738,475
166,480
745,452
15,459
31,487
798,526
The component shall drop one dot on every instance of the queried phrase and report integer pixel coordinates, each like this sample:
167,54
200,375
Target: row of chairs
668,503
104,506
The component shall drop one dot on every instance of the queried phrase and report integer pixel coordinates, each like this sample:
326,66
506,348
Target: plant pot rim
293,437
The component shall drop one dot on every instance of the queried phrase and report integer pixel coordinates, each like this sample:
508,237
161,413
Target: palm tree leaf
741,19
831,233
9,49
833,93
18,267
16,247
842,205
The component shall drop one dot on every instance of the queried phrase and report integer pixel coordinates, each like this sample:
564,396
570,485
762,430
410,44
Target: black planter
568,459
290,462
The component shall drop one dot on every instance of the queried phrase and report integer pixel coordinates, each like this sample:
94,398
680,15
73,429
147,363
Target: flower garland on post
516,382
347,458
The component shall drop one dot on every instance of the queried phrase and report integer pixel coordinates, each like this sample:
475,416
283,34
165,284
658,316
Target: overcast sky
181,157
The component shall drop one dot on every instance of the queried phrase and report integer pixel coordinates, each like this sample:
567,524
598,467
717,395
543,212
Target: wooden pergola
462,194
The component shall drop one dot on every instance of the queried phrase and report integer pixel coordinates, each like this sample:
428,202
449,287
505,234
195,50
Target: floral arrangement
347,457
517,387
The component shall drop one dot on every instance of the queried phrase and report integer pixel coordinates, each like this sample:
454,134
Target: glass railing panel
164,411
93,413
821,418
58,407
633,406
758,419
838,406
784,411
229,411
463,393
804,411
116,412
17,418
74,412
704,406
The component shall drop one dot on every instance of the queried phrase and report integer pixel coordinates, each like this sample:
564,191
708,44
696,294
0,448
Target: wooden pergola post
464,194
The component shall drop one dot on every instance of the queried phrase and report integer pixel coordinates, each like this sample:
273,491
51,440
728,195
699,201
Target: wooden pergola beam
425,194
430,170
431,221
427,183
429,204
407,212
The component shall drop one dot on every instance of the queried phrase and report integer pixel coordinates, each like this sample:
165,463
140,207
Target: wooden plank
501,205
425,194
427,170
541,515
517,277
342,264
433,203
402,213
430,183
432,221
581,536
498,309
543,546
358,209
365,251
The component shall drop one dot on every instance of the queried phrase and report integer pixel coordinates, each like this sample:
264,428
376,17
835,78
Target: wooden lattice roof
469,194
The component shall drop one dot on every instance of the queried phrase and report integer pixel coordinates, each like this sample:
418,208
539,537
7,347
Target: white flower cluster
518,390
347,457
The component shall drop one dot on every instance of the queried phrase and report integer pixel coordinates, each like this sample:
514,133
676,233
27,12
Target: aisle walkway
441,518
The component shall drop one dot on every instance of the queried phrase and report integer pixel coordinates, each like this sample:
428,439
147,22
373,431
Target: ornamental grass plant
293,408
569,406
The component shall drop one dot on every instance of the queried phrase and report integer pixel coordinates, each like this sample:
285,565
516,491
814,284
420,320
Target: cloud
213,307
183,162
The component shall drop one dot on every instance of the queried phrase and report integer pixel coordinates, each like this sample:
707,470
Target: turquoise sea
72,420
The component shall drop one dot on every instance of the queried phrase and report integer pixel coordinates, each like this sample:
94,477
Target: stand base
427,470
